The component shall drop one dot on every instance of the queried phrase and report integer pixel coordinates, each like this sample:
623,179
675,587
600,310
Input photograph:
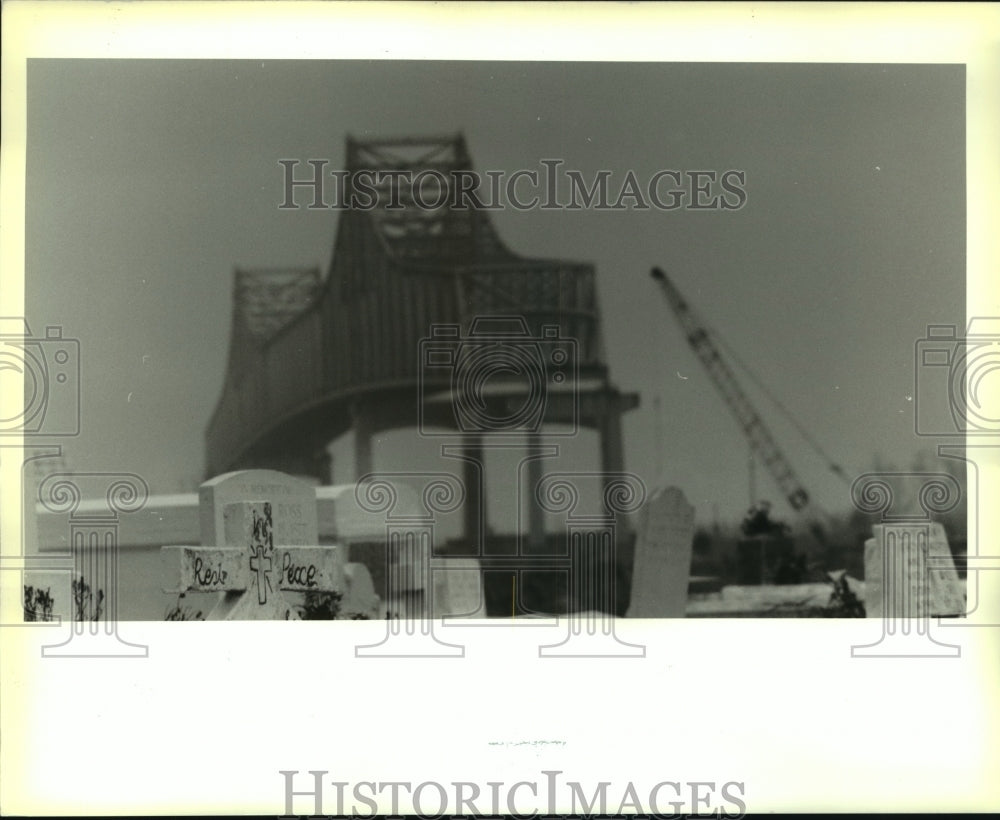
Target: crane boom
753,427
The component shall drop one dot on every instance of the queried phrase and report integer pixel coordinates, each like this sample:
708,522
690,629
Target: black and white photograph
520,370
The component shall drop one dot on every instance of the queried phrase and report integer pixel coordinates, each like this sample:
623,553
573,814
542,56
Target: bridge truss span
311,358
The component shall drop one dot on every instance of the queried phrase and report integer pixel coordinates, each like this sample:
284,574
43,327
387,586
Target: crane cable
810,439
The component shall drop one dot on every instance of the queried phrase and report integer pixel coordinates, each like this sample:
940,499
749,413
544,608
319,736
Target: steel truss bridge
363,350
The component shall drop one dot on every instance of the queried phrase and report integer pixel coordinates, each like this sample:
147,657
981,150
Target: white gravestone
438,588
458,589
898,582
360,600
662,565
252,569
293,505
294,520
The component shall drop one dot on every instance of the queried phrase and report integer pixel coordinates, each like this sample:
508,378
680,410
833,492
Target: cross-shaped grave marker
258,559
252,570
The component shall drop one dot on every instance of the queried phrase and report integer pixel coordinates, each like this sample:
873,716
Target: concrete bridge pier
474,480
315,464
610,432
536,515
362,427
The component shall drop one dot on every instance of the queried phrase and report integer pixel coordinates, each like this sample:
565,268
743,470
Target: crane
760,438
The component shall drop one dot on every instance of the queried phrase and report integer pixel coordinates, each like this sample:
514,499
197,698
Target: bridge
426,320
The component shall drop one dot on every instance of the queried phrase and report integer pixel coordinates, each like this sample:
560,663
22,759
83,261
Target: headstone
911,590
253,565
293,505
342,516
458,589
363,532
260,543
360,600
407,570
874,585
443,588
947,591
662,556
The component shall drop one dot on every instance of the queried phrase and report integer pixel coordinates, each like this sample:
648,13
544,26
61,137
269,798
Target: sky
148,182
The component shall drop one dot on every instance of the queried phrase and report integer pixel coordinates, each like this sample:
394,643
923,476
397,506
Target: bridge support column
612,457
613,461
362,443
317,464
536,515
474,479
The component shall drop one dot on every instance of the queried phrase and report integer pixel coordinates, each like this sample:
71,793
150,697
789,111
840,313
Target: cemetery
269,535
262,545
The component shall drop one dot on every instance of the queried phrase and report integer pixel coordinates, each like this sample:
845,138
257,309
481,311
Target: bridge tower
417,291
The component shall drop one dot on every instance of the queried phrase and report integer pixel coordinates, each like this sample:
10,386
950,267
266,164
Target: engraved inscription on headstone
662,556
258,550
293,505
254,565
